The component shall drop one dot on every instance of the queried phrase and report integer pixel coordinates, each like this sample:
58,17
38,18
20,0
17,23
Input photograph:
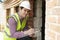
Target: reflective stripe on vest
19,25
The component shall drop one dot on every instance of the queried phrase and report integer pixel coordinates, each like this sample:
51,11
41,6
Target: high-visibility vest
20,26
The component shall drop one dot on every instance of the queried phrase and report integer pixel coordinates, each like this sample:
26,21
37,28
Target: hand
29,32
31,35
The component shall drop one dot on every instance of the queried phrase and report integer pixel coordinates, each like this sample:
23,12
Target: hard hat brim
25,7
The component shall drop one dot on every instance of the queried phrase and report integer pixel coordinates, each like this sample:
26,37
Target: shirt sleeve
14,33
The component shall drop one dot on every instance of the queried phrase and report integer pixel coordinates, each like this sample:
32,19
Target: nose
26,12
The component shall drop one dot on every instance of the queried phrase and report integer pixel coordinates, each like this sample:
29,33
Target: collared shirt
13,31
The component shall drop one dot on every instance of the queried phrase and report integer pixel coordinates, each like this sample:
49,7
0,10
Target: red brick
55,28
51,34
51,19
58,20
58,37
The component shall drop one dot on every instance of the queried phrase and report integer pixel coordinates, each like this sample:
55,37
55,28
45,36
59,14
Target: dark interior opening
43,19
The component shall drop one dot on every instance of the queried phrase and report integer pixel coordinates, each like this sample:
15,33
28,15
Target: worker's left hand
32,35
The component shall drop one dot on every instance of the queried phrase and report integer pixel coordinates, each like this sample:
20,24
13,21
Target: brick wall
2,17
2,20
52,23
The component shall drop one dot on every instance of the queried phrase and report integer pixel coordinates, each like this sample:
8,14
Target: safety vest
18,28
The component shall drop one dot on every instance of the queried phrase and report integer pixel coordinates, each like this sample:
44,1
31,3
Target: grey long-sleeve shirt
14,33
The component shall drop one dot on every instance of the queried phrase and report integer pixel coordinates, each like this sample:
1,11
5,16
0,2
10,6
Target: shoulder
11,20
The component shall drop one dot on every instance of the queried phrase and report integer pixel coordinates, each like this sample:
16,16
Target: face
24,12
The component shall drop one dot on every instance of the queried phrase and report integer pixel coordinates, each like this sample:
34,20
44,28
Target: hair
21,7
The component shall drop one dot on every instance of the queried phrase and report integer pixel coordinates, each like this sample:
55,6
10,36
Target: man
17,29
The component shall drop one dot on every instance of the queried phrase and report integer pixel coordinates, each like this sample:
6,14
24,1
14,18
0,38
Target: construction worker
17,29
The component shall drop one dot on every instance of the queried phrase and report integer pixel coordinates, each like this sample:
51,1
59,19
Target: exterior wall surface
38,18
52,23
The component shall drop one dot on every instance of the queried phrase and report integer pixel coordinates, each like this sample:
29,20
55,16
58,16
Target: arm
13,31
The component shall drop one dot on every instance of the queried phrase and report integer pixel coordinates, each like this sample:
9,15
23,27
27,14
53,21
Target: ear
19,9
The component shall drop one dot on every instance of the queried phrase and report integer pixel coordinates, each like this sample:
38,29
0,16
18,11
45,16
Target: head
24,9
